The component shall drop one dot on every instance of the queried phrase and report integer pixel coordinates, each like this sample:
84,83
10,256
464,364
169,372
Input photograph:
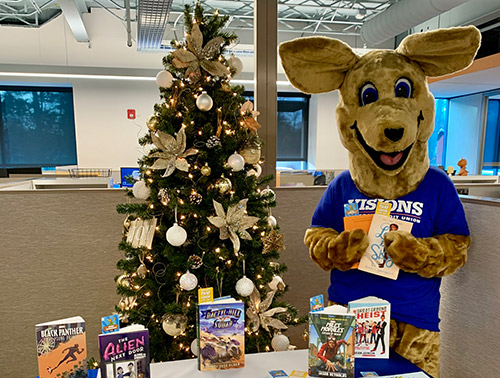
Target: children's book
221,335
375,260
298,374
278,373
331,343
373,317
61,348
125,353
361,222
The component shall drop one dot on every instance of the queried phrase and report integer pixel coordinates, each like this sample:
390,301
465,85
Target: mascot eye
403,88
368,94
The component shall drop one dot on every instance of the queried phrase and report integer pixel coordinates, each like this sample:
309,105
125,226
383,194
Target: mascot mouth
388,161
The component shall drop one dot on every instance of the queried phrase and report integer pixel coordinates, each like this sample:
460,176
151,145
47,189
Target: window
37,127
293,127
491,153
437,141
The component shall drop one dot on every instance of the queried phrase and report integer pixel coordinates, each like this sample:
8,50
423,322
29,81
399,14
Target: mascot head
386,113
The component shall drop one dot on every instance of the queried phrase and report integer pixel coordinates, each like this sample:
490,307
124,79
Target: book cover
62,348
361,222
331,343
221,335
125,353
375,260
373,317
278,373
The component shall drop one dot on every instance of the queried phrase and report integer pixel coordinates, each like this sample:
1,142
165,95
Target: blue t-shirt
434,208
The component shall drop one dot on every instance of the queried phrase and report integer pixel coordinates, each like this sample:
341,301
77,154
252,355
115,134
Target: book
331,343
298,374
221,335
373,317
62,348
418,374
375,260
361,222
125,353
110,323
278,373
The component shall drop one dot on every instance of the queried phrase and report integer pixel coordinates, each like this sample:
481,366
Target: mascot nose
394,134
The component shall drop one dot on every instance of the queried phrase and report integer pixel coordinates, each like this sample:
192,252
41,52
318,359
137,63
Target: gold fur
319,64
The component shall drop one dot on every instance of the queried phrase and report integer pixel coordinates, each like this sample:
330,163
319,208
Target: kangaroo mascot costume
385,116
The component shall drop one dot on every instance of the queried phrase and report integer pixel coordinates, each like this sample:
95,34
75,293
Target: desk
258,365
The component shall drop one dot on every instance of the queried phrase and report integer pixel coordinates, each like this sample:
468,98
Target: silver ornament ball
244,286
140,190
194,347
280,343
164,79
174,324
269,194
251,154
176,235
236,162
188,281
204,102
271,221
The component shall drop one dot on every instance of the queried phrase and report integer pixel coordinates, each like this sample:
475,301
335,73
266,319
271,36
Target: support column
266,72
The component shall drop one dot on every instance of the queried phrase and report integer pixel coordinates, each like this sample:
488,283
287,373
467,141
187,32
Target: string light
182,216
148,172
259,276
209,229
150,181
217,249
181,201
151,206
267,348
179,274
147,294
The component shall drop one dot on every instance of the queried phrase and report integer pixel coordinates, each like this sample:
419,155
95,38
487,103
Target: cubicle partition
58,252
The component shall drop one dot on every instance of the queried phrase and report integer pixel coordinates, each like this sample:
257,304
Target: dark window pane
37,127
491,155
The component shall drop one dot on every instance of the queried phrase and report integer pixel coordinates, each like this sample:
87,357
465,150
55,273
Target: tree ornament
223,185
127,303
174,324
213,142
204,102
268,195
163,196
258,169
172,152
251,153
305,335
176,235
195,347
206,170
271,221
280,342
142,270
277,284
188,281
124,281
152,122
195,262
126,223
259,313
252,172
244,286
195,198
249,116
226,87
234,224
273,242
164,79
236,162
140,190
235,64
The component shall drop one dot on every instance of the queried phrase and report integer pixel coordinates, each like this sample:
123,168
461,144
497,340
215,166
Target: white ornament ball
174,324
269,193
140,190
236,162
271,221
280,343
194,347
164,79
176,235
244,286
204,102
188,281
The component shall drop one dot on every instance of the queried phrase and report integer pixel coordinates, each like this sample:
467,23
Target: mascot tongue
391,160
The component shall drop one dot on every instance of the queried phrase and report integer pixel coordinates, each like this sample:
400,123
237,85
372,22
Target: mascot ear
443,51
316,64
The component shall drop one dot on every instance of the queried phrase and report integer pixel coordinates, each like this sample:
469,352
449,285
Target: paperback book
125,353
331,343
373,316
61,348
221,335
375,260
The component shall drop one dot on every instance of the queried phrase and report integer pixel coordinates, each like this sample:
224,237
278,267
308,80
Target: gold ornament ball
251,154
223,185
206,170
141,271
174,324
152,122
226,87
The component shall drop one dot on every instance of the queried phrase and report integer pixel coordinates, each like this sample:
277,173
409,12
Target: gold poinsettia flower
249,116
197,56
172,152
259,314
233,225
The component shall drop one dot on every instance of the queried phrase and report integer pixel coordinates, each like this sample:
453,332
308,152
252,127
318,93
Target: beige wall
59,250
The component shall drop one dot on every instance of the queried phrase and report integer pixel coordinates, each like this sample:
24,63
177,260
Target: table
258,365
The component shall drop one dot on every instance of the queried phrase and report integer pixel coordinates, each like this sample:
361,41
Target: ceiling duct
401,16
152,16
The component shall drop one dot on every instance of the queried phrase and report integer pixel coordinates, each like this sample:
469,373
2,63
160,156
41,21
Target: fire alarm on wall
131,113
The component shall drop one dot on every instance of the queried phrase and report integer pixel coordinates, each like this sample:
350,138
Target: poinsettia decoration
172,152
259,313
197,56
249,116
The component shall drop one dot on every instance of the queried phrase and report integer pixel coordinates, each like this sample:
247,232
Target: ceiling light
361,14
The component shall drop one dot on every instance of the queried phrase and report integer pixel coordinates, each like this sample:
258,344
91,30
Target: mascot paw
405,250
329,249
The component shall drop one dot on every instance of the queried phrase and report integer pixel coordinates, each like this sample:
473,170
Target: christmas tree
205,218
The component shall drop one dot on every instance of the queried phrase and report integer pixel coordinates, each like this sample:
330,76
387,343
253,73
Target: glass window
491,154
437,141
37,127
